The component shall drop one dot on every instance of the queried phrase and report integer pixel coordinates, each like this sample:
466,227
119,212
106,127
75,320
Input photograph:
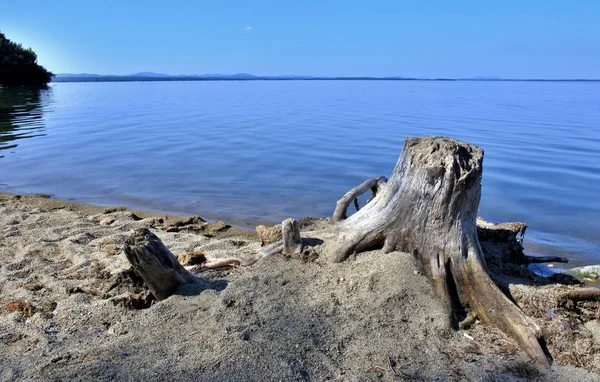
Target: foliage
18,66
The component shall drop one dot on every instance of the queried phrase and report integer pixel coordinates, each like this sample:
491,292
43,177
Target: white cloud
248,29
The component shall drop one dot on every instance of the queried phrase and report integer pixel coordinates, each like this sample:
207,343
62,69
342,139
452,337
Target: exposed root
468,321
373,184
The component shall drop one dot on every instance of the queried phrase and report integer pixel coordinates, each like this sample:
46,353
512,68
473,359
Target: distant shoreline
266,78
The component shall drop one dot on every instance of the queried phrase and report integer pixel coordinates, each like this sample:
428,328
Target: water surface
262,151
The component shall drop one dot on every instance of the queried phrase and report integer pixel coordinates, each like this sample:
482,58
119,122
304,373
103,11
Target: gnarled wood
372,184
153,261
291,244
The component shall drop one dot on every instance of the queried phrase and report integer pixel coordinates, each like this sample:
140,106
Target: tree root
373,184
468,321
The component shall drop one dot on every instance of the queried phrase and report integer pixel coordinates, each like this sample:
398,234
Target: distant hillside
151,76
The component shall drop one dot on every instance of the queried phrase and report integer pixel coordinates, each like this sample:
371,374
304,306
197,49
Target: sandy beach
70,309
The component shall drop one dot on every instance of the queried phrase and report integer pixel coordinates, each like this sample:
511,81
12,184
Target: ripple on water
262,151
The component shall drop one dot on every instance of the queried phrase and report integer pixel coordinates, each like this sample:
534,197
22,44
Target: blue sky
517,39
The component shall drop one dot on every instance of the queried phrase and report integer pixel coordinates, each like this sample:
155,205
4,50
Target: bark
428,208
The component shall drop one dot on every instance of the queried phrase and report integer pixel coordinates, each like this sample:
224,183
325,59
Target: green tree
18,66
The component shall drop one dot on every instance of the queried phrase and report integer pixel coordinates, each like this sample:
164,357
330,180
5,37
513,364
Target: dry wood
153,261
372,184
515,228
581,294
292,243
468,321
215,263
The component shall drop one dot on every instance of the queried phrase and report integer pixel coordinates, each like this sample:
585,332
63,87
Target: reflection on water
21,112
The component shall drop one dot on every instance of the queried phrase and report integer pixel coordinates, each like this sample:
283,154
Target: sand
71,310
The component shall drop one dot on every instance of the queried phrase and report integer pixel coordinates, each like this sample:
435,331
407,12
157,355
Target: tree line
18,65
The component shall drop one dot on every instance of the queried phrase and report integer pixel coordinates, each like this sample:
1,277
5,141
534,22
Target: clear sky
425,38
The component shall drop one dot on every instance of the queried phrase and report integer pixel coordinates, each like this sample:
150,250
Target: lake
261,151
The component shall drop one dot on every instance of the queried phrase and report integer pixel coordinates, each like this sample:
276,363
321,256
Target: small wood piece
582,294
341,208
391,365
292,243
269,250
153,261
517,229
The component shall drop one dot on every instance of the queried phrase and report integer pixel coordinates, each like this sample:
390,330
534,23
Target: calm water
264,151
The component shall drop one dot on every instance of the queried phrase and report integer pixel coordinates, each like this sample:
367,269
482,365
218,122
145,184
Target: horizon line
152,76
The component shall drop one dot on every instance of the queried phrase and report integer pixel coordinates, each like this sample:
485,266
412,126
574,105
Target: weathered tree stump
153,261
428,208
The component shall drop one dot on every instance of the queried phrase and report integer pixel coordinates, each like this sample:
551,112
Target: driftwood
292,243
152,260
516,229
216,263
508,239
582,294
428,208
